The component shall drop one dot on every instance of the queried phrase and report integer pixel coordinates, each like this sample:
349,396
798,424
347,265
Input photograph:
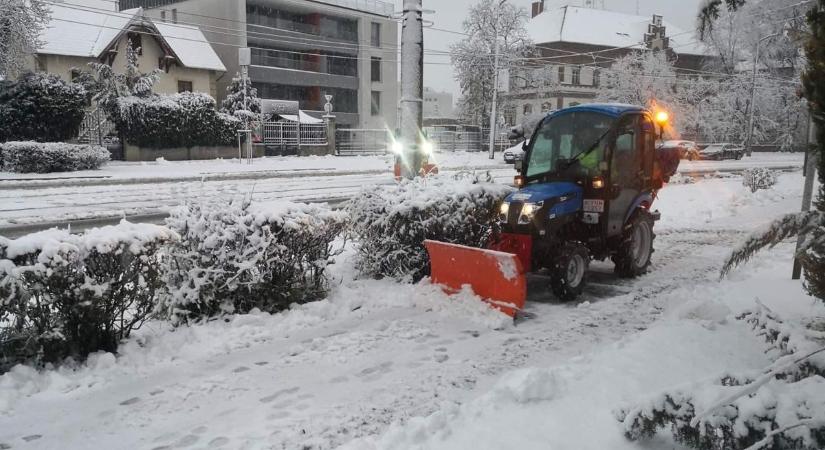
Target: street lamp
753,91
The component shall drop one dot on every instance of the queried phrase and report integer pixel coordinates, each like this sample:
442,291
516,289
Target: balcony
262,19
371,6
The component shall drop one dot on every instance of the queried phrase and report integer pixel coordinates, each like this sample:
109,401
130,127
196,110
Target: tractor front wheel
633,257
569,272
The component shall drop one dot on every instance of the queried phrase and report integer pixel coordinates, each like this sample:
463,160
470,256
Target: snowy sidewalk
342,370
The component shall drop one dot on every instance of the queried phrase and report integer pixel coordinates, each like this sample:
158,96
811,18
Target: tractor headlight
503,212
528,212
397,147
427,146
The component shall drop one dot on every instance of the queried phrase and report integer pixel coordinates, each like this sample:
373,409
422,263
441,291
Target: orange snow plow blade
497,277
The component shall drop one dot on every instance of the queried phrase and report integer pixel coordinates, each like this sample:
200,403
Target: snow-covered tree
21,22
473,56
234,102
132,83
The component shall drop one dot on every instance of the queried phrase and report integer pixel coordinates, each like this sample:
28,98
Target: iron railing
286,133
352,142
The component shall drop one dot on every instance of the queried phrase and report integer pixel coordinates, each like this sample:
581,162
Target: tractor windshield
569,146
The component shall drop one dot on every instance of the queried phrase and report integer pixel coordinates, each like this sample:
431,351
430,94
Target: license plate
591,205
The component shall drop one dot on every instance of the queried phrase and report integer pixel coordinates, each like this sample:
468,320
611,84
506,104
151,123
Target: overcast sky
449,14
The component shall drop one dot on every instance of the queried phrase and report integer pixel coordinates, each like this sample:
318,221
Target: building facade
574,43
77,36
303,50
437,105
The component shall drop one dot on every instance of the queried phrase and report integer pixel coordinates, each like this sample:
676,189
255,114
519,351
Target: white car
512,154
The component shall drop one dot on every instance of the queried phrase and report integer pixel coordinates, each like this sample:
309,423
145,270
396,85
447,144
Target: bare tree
473,56
21,22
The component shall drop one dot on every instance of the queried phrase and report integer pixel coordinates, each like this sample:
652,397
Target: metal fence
351,141
285,133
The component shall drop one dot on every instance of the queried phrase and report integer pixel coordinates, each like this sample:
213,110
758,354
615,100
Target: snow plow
587,183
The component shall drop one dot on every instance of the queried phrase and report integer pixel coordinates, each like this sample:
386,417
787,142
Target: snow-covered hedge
758,178
64,295
234,257
390,223
783,407
26,157
180,120
40,107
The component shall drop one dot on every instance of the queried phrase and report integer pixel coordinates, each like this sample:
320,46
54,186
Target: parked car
513,153
718,152
686,149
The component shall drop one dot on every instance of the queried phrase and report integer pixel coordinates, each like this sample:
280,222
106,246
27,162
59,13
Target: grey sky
449,14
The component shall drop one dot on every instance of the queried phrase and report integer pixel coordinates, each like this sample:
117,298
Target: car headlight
503,212
528,212
427,146
397,147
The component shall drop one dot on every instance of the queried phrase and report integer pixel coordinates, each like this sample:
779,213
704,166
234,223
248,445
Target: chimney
538,8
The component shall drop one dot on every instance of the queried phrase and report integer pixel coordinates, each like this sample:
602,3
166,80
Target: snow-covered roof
88,32
190,46
79,32
605,28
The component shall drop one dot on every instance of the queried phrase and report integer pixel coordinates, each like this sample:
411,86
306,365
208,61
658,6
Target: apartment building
437,104
303,50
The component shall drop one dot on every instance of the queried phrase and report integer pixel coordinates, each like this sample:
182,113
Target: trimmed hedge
233,258
64,295
26,157
40,107
180,120
390,223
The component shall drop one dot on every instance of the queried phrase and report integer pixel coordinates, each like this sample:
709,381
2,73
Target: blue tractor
587,183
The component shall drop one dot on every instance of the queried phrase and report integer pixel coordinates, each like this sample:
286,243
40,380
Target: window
163,15
375,107
577,75
626,158
184,86
375,34
528,109
136,39
375,69
561,74
175,16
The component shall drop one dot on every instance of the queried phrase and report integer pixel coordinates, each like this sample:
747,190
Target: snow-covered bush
233,257
781,408
390,223
26,157
233,104
758,178
64,295
40,107
180,120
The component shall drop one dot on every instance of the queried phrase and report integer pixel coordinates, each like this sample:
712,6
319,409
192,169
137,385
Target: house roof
88,32
605,28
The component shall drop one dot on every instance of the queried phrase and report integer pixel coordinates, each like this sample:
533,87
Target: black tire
569,272
633,256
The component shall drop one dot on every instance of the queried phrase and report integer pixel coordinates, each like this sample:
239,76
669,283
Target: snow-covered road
374,353
150,188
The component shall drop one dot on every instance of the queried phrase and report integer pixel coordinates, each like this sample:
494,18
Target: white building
437,105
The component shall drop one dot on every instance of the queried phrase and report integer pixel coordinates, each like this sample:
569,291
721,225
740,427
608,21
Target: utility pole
412,88
497,50
753,92
807,193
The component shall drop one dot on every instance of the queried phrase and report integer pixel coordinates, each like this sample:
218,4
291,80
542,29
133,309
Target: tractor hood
541,192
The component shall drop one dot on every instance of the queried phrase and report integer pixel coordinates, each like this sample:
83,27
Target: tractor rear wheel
633,257
569,272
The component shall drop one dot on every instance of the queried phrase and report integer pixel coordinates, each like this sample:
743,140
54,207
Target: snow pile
233,257
26,157
391,223
65,295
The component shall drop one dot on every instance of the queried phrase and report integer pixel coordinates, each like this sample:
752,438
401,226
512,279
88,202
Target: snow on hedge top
604,28
88,31
422,193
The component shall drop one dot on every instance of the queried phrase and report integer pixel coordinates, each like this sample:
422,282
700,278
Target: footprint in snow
340,379
4,446
200,430
278,415
130,401
156,392
261,363
187,441
32,437
280,393
240,369
441,357
218,442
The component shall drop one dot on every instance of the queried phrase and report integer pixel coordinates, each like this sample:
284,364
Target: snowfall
382,365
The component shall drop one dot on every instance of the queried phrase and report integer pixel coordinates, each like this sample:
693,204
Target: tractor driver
583,140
